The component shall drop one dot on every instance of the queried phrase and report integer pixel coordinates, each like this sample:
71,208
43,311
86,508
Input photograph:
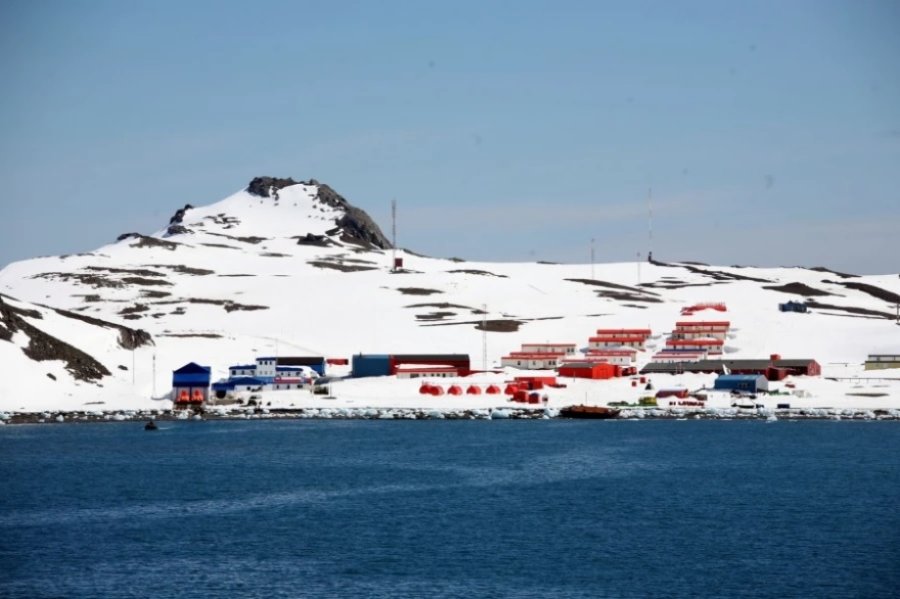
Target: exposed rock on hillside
266,187
42,346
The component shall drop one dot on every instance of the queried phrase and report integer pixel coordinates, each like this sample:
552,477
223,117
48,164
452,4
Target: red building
590,370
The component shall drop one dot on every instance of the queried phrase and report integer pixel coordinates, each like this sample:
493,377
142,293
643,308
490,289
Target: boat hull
588,412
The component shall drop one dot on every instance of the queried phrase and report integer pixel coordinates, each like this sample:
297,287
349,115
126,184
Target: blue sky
769,132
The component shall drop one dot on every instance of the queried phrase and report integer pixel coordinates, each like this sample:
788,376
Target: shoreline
504,413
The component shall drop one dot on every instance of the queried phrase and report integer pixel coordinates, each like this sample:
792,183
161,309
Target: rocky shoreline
219,413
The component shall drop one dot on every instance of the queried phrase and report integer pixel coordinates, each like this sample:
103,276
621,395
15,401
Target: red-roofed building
711,346
700,329
534,361
622,357
615,341
563,349
643,333
589,370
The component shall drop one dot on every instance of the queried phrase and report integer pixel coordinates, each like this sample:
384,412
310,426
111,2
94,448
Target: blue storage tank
371,365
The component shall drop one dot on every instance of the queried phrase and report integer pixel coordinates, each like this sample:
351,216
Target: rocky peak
266,187
357,226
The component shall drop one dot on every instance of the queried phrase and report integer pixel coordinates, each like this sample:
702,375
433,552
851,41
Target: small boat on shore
594,412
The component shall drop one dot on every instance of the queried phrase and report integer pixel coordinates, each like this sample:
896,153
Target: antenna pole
484,337
650,224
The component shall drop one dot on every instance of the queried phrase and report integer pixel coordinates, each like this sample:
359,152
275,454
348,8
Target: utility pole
483,337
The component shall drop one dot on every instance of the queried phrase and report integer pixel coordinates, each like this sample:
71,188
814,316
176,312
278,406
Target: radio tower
484,337
592,258
649,224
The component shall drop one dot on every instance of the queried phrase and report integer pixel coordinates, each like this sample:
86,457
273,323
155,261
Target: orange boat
596,412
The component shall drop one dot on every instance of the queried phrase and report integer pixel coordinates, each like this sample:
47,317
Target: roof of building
549,344
532,356
192,368
585,365
613,339
299,360
699,342
739,377
716,365
430,357
246,380
612,352
420,368
242,367
703,323
793,363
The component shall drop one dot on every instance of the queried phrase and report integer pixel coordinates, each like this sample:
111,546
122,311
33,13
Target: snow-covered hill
292,268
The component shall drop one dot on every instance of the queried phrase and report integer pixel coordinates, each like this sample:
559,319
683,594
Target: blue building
190,384
747,383
239,383
792,307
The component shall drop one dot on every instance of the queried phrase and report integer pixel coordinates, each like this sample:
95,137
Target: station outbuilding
190,384
749,383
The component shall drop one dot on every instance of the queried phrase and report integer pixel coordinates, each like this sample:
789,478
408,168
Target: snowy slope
275,274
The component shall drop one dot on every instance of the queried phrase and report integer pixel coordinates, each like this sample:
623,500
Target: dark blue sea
451,509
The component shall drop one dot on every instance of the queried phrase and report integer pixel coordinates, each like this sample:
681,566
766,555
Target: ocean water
451,509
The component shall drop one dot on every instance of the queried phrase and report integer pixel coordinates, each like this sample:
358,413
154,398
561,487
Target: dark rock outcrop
42,346
358,226
177,230
179,214
267,187
315,240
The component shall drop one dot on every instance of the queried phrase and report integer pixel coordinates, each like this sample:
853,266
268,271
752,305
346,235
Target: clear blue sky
768,131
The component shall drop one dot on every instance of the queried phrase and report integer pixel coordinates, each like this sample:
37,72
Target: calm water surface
451,509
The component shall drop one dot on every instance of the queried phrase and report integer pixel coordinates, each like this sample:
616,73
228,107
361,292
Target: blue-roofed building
239,383
792,306
242,370
190,384
746,383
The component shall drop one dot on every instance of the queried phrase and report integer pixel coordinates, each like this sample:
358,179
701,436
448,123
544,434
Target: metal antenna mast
650,224
484,337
